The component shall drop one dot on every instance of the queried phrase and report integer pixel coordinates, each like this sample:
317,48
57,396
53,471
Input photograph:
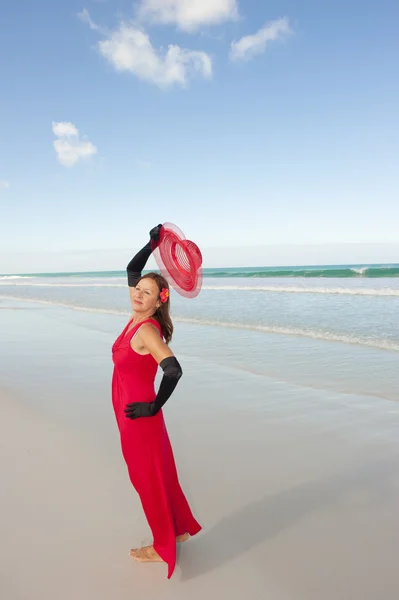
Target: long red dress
146,448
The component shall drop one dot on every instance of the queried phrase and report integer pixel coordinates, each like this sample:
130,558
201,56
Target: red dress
146,448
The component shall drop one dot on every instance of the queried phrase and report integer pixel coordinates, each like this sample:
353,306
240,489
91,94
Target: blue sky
265,123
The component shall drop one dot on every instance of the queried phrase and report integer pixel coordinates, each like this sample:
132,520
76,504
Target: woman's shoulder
149,325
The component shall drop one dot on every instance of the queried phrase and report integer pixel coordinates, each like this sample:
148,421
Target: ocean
326,327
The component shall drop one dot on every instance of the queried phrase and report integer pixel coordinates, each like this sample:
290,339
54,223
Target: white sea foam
384,292
360,270
67,285
297,331
309,290
382,344
90,309
8,277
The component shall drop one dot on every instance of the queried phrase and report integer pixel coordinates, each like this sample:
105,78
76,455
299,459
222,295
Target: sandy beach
297,489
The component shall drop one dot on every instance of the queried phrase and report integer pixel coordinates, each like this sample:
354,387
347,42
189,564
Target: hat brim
179,260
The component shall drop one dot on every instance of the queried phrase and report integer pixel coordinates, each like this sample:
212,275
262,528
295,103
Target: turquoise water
340,271
331,332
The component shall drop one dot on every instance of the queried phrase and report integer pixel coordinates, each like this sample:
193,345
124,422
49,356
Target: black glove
138,262
172,373
155,233
139,409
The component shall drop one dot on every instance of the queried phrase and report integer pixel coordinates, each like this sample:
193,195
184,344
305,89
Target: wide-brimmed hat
179,260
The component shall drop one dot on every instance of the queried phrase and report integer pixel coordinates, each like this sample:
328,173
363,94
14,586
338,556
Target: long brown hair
162,314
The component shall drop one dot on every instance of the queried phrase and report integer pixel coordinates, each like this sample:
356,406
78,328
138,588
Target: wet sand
297,489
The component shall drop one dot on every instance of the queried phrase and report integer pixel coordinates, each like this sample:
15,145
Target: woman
141,346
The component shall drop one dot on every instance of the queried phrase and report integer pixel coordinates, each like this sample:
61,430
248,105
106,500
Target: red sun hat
179,260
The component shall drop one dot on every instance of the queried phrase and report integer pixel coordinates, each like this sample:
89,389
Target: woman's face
146,296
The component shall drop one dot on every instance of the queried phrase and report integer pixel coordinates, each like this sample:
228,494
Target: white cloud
69,147
63,129
250,45
129,49
4,185
188,14
85,18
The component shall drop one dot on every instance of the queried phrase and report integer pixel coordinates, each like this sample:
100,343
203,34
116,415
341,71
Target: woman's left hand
135,410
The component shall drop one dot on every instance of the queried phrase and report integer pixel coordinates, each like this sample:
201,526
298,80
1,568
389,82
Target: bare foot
182,538
146,554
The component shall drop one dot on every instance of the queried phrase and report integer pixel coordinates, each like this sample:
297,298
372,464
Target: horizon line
269,268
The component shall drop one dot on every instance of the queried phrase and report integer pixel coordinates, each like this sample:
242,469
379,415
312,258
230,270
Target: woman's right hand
155,233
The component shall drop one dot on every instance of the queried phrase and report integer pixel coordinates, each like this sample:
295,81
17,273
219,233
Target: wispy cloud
84,16
188,15
69,147
4,184
128,48
251,45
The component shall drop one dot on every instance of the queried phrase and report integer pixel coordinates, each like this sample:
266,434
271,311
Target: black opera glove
135,410
155,233
172,373
139,261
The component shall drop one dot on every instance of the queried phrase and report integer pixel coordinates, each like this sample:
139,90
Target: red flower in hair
164,295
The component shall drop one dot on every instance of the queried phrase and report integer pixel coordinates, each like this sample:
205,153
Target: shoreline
297,489
307,362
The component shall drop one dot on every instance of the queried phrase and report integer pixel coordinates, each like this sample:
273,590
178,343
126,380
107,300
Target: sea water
329,328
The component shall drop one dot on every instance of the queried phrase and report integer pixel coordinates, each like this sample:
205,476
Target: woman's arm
139,261
149,337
